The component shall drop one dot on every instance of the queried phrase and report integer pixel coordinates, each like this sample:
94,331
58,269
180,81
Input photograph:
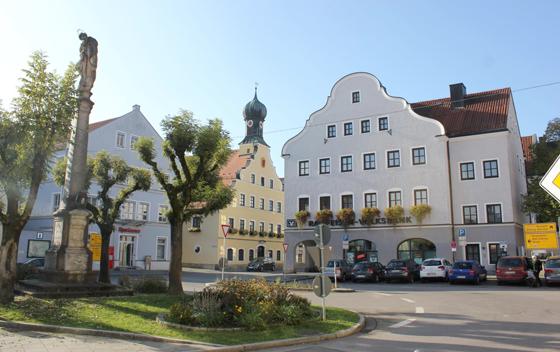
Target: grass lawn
137,314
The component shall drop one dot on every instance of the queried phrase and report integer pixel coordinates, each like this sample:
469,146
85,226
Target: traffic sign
322,230
551,180
345,245
453,246
322,286
314,254
540,236
285,247
462,232
345,237
225,230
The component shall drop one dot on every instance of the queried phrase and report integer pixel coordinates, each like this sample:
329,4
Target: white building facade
366,149
142,230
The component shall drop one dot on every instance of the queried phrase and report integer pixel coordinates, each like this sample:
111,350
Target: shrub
252,233
346,217
207,308
369,215
194,229
233,230
181,313
252,318
420,211
124,280
262,233
243,232
271,234
150,285
394,214
301,217
324,216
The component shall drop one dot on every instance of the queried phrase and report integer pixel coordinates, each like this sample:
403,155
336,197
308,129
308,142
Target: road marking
383,294
407,300
402,323
419,310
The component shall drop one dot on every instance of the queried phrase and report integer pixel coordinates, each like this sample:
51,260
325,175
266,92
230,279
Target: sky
205,56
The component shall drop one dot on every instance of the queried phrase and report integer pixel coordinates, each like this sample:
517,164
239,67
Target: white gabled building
461,155
142,230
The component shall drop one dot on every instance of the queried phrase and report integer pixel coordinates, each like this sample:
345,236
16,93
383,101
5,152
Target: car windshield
503,262
396,264
553,263
462,265
432,262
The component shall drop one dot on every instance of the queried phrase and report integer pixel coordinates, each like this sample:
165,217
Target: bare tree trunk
176,265
104,262
8,267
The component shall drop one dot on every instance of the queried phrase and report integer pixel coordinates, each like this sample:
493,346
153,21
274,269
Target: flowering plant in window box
271,234
346,216
194,229
394,214
262,234
232,230
369,215
243,232
420,211
301,217
252,233
324,216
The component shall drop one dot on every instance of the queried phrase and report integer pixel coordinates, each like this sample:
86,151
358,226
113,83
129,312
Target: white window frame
130,140
460,172
327,130
479,251
138,215
486,213
117,139
394,190
418,188
299,168
412,155
319,200
499,168
351,122
359,96
240,249
244,224
279,207
271,202
364,163
165,251
319,165
244,197
53,197
253,179
159,208
388,124
477,213
133,210
346,194
387,159
488,251
303,196
368,192
370,129
254,206
340,163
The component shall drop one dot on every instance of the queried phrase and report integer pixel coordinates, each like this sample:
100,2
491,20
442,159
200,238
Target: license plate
510,272
461,277
431,274
360,276
395,271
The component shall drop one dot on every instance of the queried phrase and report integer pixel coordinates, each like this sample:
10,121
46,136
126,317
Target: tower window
355,97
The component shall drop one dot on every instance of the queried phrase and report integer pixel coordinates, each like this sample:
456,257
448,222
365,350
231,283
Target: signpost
540,236
322,288
225,230
462,237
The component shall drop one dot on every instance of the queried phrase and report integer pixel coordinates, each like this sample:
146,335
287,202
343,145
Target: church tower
254,114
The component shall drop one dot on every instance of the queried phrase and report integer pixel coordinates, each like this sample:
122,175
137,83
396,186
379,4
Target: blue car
467,271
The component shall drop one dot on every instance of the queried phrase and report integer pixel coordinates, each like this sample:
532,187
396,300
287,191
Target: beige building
256,214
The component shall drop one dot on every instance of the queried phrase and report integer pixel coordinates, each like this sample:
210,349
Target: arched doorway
418,249
260,252
360,251
303,258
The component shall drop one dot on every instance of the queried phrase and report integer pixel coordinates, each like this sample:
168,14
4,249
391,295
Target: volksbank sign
378,221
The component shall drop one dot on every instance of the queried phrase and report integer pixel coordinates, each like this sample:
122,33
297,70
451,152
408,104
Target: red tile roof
483,112
235,163
95,125
526,143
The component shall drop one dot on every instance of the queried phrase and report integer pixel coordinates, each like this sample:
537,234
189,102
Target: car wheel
260,269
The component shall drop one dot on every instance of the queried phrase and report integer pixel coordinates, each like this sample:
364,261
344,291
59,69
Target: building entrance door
472,252
260,252
126,253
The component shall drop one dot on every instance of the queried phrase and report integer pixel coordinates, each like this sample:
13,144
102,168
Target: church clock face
261,125
250,123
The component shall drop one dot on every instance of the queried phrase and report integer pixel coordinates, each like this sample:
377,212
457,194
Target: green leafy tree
537,200
40,117
196,153
108,172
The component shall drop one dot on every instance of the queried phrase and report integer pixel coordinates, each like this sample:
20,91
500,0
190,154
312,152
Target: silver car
552,271
343,269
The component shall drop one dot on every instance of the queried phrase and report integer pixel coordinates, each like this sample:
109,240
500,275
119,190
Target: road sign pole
321,247
334,261
224,258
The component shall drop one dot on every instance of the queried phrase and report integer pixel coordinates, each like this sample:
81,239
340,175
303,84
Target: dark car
261,264
467,271
36,262
343,269
552,271
402,270
366,271
513,269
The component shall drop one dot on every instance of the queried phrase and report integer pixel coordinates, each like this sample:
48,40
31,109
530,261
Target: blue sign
462,232
345,237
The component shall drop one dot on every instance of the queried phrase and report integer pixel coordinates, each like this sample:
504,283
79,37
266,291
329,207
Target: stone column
69,259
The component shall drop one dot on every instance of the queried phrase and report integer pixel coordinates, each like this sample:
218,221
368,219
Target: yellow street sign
95,246
551,180
540,236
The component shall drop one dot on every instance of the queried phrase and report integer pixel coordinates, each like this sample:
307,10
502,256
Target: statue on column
88,62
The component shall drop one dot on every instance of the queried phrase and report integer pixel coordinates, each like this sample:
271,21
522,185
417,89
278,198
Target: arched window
230,254
241,255
418,249
278,255
251,254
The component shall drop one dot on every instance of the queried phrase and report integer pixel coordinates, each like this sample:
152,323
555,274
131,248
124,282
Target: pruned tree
112,175
196,153
40,117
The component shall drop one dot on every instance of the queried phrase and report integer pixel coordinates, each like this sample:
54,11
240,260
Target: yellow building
256,214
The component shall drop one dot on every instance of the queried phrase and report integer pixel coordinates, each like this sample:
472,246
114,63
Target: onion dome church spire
254,114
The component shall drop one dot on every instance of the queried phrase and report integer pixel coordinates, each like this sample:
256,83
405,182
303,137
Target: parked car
36,262
514,269
261,264
435,268
552,271
467,271
366,271
343,269
402,270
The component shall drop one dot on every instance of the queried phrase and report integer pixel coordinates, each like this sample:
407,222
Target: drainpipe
451,197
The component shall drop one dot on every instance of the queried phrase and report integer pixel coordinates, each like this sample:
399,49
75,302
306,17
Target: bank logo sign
551,180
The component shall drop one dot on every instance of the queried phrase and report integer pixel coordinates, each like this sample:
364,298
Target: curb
338,290
95,332
160,319
298,340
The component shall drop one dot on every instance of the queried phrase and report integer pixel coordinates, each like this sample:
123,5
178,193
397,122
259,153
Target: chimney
136,107
457,93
